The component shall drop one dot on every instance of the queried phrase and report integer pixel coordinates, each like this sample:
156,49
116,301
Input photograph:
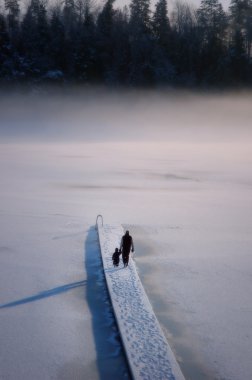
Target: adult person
126,245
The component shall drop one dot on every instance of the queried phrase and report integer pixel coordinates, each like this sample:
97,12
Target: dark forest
77,41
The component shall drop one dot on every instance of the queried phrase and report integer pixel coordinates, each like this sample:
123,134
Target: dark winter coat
127,244
116,257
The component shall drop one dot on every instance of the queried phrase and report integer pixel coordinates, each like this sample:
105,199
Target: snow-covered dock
148,352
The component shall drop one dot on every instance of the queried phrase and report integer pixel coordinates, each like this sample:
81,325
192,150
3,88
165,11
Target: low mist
102,115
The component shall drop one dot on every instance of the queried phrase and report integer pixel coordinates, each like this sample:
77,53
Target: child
116,257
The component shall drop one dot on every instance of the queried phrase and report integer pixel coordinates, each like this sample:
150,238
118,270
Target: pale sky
121,3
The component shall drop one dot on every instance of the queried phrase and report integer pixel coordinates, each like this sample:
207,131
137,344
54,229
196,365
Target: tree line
78,41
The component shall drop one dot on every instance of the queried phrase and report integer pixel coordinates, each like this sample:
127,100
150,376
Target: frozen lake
177,173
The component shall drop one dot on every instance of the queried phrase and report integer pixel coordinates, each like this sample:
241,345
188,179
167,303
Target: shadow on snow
45,294
111,361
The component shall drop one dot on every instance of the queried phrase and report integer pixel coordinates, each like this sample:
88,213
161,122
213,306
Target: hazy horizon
97,114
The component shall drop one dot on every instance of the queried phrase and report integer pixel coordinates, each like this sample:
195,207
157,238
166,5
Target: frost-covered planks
148,353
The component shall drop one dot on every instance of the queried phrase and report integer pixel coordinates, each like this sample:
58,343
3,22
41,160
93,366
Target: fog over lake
99,115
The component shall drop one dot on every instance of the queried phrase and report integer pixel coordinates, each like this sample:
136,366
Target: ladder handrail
97,218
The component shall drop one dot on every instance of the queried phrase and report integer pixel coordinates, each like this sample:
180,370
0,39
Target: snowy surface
149,355
56,321
55,317
186,199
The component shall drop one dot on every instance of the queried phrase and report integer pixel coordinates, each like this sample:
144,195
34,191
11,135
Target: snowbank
147,350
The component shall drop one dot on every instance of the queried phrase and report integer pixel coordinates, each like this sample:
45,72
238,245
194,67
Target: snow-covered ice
56,321
186,198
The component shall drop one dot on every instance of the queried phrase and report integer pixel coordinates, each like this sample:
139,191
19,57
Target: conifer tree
212,23
69,17
105,19
161,23
140,19
241,25
185,42
240,39
4,50
105,23
13,10
121,57
42,29
141,43
57,41
211,19
87,49
4,39
28,32
35,37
